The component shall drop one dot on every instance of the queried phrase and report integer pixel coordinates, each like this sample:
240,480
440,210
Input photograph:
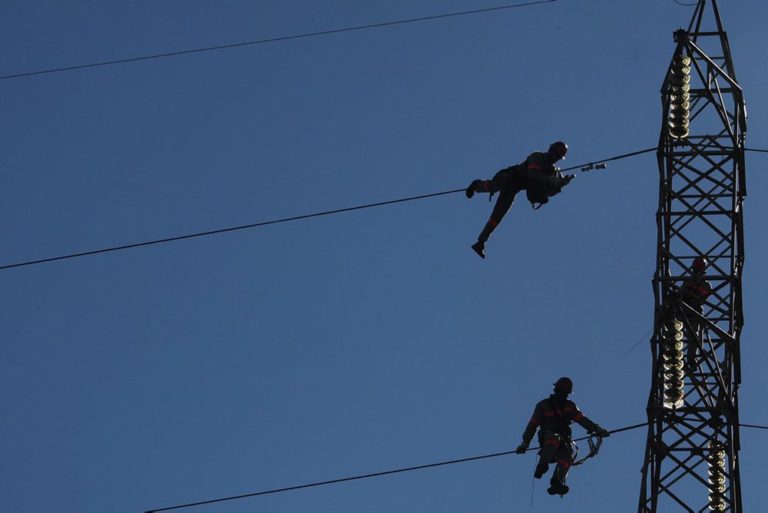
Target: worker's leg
693,344
549,448
506,197
509,182
564,459
491,186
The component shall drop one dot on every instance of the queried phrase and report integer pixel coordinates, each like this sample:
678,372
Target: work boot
479,248
472,188
541,469
556,488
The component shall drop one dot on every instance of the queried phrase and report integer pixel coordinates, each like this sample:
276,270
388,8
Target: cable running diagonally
590,165
388,472
366,476
222,230
208,233
274,39
754,426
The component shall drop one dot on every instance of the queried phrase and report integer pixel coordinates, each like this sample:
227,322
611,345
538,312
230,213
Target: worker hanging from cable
553,417
538,175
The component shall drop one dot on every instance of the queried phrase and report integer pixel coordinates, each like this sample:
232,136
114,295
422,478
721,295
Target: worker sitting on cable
537,175
696,289
553,417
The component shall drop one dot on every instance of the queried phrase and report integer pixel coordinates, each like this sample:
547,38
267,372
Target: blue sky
346,344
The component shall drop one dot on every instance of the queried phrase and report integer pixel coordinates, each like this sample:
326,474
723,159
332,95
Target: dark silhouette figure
553,417
694,292
537,175
696,289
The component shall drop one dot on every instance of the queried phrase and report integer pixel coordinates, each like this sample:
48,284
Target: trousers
556,449
507,182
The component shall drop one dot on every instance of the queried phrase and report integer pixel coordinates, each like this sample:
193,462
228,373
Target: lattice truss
691,459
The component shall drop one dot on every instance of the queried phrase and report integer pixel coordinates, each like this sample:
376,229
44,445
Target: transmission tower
691,457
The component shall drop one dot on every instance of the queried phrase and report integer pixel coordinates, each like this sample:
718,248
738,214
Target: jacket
542,177
554,415
695,290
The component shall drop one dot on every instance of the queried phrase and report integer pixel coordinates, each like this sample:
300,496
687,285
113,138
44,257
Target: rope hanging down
366,476
274,39
266,223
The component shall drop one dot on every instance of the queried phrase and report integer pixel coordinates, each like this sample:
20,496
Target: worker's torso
538,164
696,289
556,415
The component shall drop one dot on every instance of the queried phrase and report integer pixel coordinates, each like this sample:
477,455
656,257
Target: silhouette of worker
553,417
537,175
696,289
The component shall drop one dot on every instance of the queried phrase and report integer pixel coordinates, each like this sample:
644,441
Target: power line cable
600,164
388,472
754,426
222,230
208,233
678,2
584,167
275,39
597,163
364,476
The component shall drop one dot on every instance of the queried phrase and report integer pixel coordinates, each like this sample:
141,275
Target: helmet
558,148
564,385
700,265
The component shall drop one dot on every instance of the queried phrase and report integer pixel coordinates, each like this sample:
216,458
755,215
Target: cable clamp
593,165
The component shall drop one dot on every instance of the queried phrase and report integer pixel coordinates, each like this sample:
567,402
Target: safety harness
539,187
564,429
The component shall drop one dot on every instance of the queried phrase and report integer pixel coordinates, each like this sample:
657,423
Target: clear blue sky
347,344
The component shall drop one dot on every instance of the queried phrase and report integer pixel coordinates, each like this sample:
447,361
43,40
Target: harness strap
594,442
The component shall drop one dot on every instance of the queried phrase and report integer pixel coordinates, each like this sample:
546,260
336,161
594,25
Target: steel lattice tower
691,457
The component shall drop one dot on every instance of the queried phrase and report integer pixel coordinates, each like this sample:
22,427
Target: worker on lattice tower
696,289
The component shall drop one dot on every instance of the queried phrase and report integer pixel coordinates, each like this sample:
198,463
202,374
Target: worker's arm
530,430
588,424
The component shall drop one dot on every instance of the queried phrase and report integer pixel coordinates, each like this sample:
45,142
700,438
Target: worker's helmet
700,265
564,385
559,149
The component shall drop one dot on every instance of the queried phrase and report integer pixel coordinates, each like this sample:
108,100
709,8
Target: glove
521,448
602,433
